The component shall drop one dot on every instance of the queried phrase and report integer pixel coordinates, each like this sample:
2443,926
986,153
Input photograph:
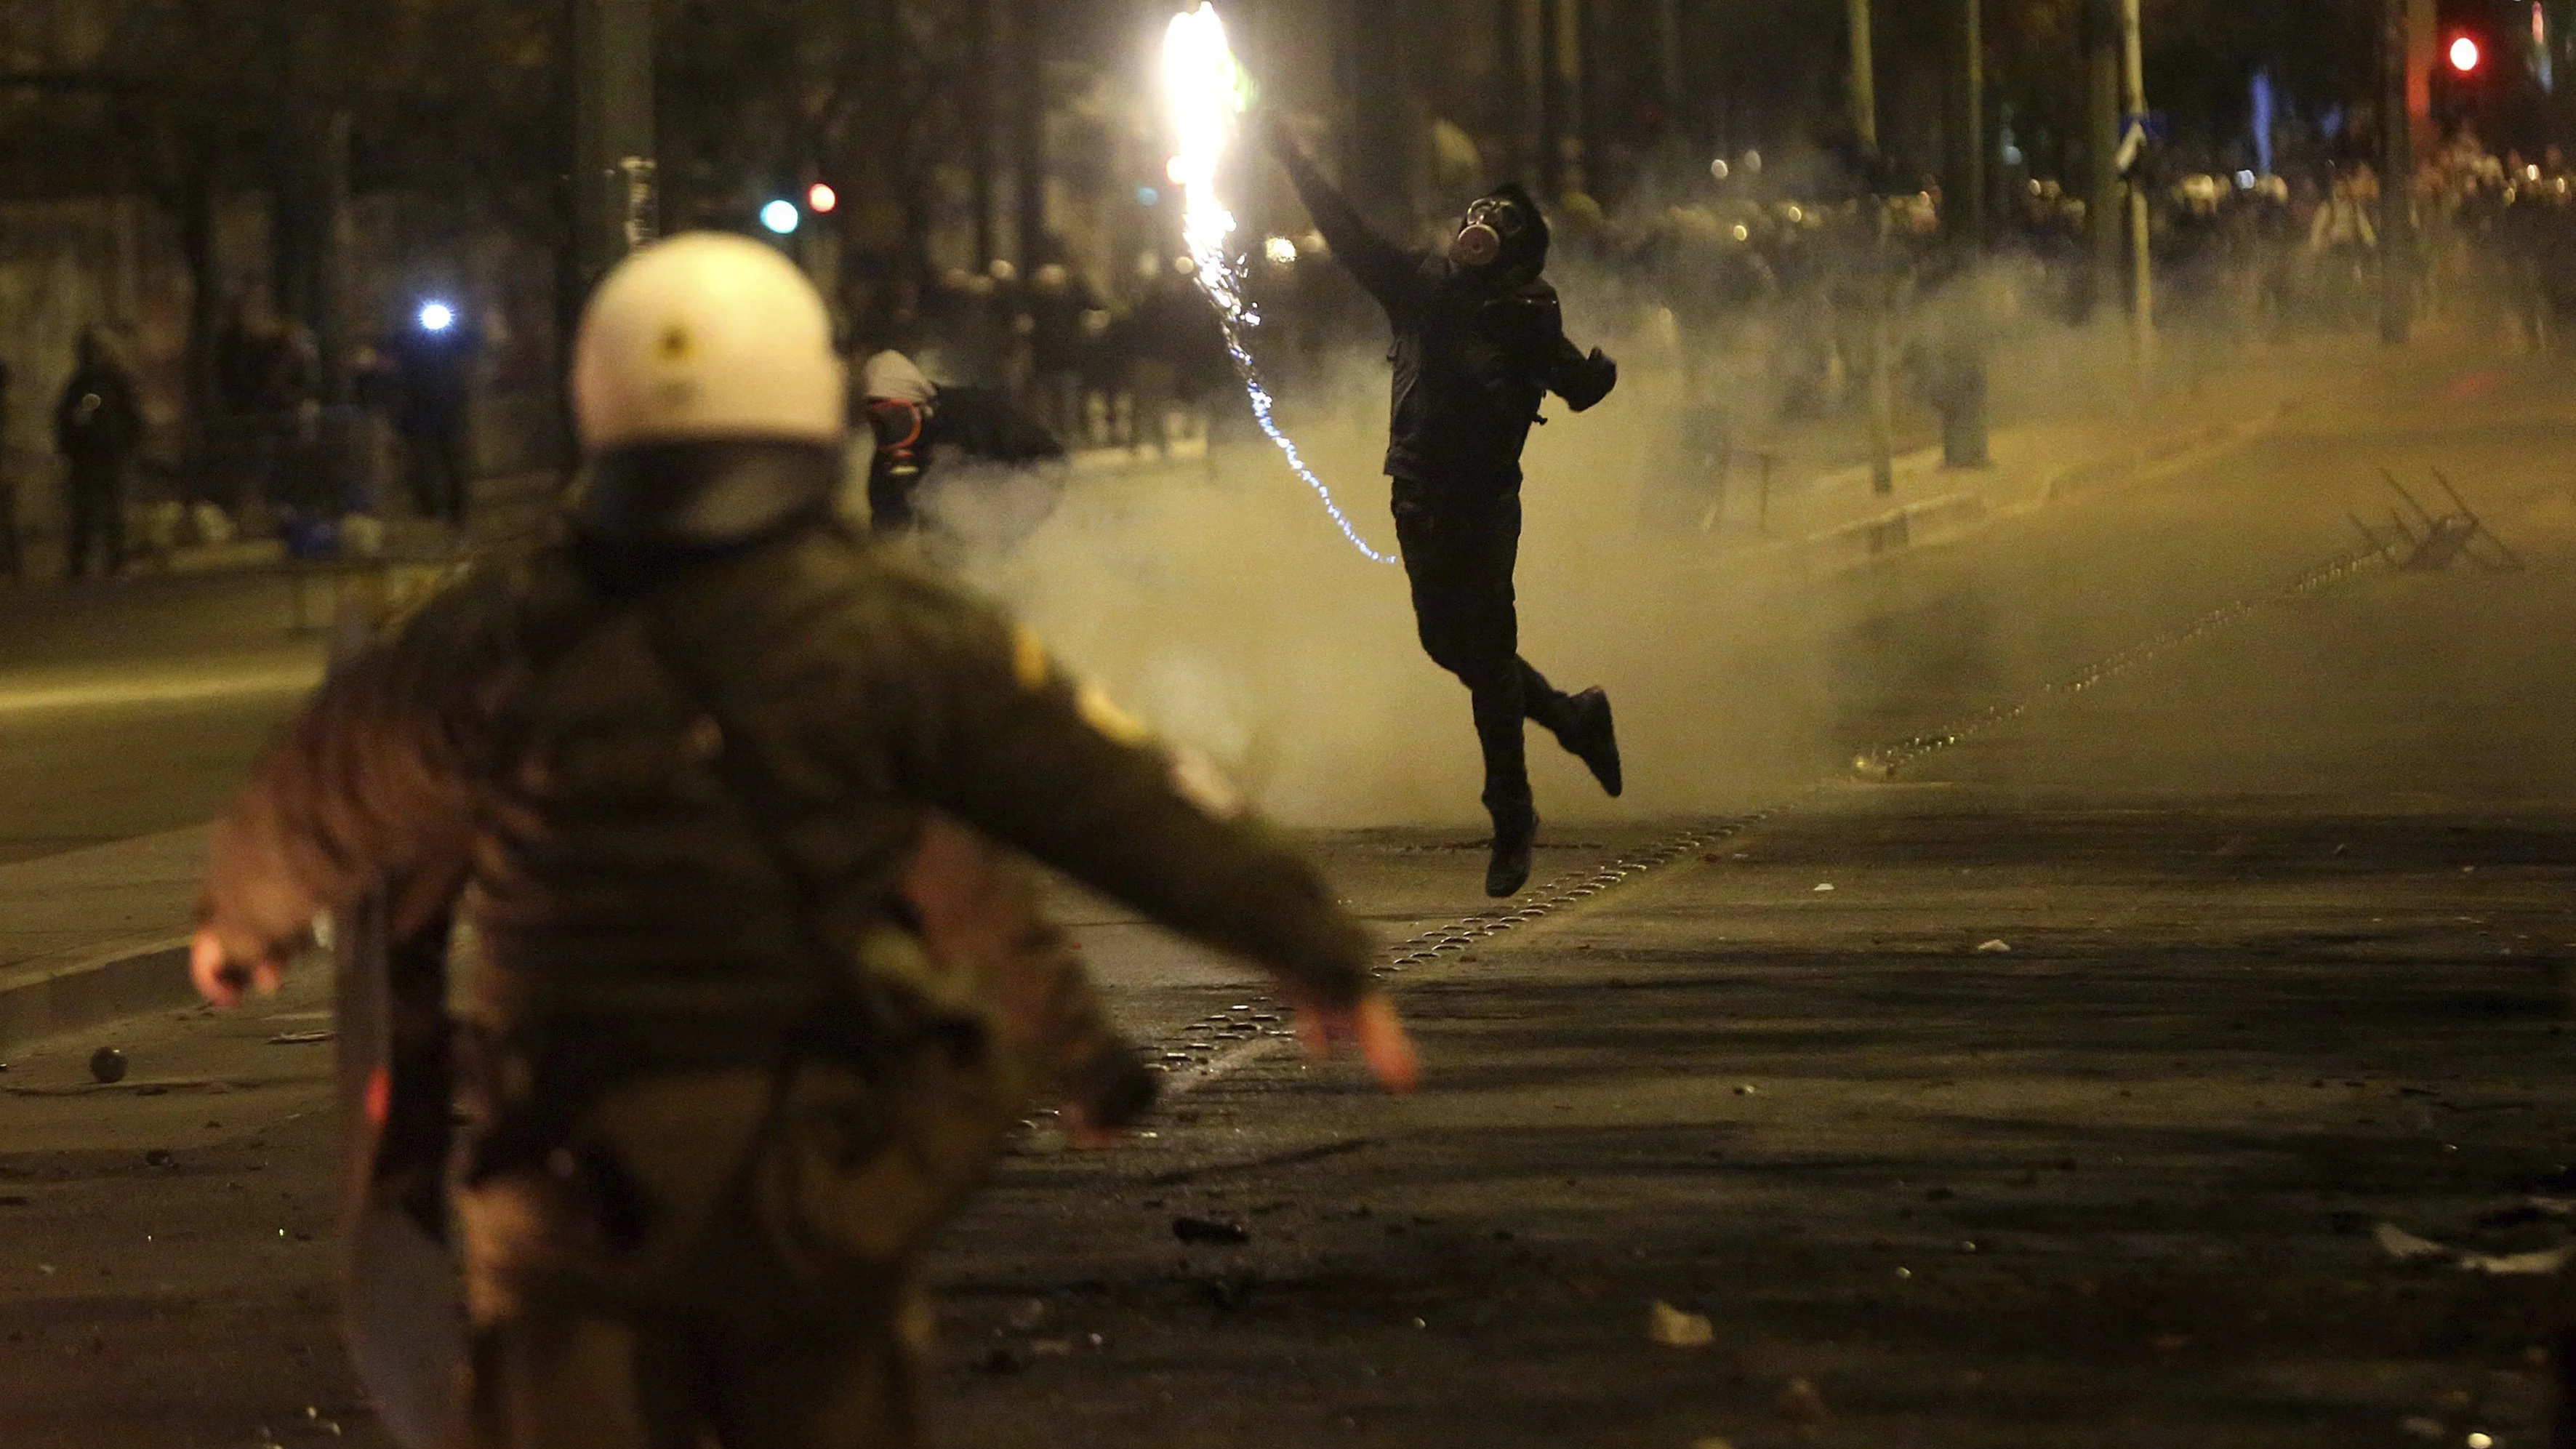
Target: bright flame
1206,93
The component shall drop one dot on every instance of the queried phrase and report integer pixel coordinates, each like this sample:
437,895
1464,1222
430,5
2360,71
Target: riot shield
402,1295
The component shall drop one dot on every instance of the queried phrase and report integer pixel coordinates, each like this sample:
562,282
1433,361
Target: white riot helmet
706,337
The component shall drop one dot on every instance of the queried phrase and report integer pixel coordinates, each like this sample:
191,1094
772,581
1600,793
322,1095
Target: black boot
1509,869
1593,739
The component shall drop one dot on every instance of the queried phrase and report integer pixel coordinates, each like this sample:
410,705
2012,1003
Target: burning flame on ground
1207,94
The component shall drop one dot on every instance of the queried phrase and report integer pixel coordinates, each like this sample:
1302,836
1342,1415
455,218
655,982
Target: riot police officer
1479,343
752,1007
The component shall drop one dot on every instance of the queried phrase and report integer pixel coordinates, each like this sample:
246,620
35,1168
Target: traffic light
2466,55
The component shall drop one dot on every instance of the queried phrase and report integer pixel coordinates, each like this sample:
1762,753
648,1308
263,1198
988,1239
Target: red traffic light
2465,55
820,198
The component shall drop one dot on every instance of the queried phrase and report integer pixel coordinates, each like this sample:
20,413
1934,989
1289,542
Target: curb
1952,515
93,988
1933,520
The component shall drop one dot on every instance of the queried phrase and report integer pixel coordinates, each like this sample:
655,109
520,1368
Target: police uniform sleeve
1001,738
365,788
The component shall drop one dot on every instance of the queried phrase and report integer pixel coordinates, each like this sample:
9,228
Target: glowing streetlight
436,317
781,217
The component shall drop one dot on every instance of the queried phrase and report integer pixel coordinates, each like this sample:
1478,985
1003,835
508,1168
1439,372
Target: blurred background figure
97,427
436,367
899,401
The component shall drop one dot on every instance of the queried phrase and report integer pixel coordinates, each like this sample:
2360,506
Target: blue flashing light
781,217
436,317
1148,196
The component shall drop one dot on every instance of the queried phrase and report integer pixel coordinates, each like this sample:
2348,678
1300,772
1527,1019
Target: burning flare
1207,94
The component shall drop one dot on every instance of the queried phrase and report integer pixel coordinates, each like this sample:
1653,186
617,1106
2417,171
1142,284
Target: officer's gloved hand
225,970
1368,1025
1593,379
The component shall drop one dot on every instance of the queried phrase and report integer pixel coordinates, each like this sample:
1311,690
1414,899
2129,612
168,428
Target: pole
1551,98
1511,89
2141,258
336,289
983,158
1966,439
2397,182
1882,348
1581,48
1028,52
2102,208
1864,81
1668,54
618,187
1976,107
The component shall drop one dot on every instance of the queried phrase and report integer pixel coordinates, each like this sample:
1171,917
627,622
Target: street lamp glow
2464,55
436,317
1281,251
821,199
780,217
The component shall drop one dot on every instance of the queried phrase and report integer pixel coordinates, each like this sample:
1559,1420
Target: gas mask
1490,224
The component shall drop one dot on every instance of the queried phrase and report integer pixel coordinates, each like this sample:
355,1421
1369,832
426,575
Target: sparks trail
1207,93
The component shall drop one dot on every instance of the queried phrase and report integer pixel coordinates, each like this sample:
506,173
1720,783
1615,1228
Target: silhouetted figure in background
437,385
97,427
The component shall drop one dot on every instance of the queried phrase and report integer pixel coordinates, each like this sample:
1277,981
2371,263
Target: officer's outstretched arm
362,787
1388,271
1009,744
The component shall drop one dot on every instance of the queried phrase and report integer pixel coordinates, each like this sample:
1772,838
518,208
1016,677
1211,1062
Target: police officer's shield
402,1293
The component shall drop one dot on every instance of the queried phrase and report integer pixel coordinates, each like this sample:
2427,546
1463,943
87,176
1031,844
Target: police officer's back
755,1003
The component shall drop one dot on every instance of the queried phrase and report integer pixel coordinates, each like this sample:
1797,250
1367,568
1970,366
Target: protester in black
97,427
1479,343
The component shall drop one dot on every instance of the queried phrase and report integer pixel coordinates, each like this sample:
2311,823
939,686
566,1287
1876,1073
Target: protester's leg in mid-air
1458,557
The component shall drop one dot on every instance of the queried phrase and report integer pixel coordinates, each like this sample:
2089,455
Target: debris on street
1674,1328
1210,1230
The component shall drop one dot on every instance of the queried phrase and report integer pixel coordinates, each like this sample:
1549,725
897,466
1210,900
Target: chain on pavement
1256,1025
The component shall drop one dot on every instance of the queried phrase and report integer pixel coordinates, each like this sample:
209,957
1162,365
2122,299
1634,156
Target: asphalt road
134,707
2069,1114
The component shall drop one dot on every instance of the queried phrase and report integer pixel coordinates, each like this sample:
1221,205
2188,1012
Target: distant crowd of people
1094,370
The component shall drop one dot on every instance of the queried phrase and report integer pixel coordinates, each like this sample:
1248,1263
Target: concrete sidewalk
1832,514
93,935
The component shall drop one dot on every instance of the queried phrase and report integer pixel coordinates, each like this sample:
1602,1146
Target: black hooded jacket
1476,350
